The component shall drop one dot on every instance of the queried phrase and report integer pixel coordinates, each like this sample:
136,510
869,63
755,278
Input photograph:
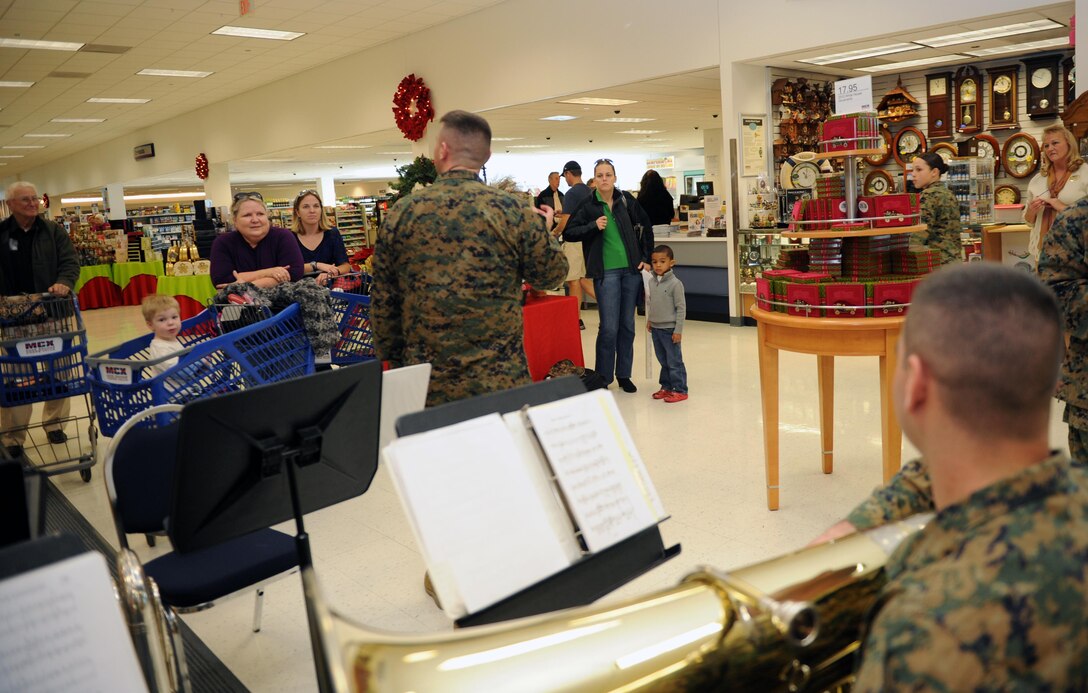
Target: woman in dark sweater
655,198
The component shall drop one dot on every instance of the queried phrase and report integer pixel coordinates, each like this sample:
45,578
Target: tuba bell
153,627
792,623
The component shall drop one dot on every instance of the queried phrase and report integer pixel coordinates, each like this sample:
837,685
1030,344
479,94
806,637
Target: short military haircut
468,137
663,249
991,336
154,304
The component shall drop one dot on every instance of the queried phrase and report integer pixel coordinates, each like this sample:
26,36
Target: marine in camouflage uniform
992,594
1063,265
448,265
941,213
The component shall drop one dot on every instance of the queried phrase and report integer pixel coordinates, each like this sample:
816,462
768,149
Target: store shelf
884,231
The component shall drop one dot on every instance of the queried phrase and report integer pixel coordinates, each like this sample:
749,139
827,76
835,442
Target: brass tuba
153,627
791,623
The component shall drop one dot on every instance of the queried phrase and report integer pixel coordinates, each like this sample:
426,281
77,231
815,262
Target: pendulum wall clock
939,105
1004,97
1069,81
968,94
1042,87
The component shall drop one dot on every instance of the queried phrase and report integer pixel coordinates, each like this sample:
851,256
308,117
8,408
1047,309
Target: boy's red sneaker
661,394
676,397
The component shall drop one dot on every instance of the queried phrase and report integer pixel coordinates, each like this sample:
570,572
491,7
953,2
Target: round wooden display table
826,338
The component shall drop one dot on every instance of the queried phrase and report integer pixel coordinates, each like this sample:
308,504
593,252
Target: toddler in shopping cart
163,317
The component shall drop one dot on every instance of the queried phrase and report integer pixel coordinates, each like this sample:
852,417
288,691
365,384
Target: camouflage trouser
1078,433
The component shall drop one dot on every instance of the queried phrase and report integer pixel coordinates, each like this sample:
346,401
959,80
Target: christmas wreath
412,107
202,166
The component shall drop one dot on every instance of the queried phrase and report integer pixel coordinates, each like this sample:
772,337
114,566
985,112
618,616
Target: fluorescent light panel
11,156
592,101
991,33
45,134
560,117
506,139
342,146
148,72
527,146
78,120
907,64
639,132
249,32
40,45
131,198
861,53
24,146
1060,41
624,120
16,85
103,99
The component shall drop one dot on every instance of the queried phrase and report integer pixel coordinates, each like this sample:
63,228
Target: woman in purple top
256,253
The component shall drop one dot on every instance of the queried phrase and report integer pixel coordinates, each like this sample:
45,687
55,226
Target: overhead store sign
854,95
663,162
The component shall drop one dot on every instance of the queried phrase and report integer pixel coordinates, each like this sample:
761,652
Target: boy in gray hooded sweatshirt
665,313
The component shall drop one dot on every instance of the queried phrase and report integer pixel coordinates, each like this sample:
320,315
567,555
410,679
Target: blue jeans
674,376
617,293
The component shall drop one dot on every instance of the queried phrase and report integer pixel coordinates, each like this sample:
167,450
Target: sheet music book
63,630
493,500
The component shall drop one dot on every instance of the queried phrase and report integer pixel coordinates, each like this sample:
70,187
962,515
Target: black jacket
54,257
658,205
547,197
636,231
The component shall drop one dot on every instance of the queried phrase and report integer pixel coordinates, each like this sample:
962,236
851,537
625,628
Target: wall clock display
882,158
968,95
939,105
1004,97
797,173
1020,155
1042,86
1069,80
945,150
1007,195
878,183
988,147
909,143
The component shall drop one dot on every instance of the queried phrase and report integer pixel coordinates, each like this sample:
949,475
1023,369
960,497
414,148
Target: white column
113,200
326,187
217,191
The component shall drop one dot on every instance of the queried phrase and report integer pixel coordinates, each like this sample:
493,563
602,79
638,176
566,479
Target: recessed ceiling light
16,85
46,134
1021,47
42,45
506,139
112,100
591,101
624,120
147,72
249,32
860,53
913,63
78,120
560,117
342,146
991,33
639,132
24,146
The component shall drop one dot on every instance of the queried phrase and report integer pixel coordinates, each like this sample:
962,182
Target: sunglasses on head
248,196
304,193
603,161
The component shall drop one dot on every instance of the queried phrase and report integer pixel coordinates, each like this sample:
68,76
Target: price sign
854,95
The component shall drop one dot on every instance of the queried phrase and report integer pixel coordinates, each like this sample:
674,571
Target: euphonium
790,624
153,628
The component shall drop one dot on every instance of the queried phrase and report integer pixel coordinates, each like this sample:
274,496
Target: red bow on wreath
412,92
202,166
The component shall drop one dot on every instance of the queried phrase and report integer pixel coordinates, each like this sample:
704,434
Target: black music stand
584,582
255,458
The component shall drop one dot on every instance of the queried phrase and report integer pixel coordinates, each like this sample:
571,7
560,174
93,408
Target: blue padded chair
139,470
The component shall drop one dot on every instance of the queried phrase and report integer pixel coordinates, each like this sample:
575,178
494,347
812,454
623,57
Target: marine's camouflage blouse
1063,265
448,265
941,213
992,594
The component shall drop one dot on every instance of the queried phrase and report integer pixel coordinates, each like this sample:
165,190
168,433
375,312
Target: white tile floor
705,456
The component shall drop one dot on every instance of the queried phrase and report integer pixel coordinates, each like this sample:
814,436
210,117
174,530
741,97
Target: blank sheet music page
63,630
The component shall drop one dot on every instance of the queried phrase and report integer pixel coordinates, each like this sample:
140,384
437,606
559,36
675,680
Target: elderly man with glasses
36,256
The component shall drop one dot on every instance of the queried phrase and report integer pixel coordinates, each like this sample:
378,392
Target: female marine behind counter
256,252
940,210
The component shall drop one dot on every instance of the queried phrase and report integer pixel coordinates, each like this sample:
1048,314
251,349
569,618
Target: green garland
421,170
